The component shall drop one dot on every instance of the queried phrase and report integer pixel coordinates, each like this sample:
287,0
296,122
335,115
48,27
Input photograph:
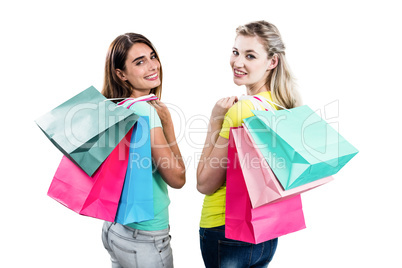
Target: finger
159,103
220,102
229,101
152,102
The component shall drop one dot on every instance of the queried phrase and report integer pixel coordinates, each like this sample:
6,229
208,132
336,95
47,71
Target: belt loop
135,233
110,226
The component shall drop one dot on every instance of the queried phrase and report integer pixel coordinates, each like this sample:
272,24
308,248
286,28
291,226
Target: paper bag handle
143,98
266,103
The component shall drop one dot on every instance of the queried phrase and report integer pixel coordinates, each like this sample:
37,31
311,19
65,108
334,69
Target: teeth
151,76
239,72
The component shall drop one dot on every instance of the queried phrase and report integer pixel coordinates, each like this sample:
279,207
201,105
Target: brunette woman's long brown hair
113,86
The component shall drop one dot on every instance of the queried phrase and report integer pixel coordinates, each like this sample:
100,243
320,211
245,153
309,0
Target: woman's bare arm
165,150
211,170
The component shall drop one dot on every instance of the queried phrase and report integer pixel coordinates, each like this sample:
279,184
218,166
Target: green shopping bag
299,146
87,127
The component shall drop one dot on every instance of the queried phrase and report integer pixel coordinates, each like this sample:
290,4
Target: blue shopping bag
136,201
299,146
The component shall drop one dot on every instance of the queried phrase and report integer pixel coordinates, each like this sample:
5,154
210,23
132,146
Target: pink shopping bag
256,225
262,184
97,195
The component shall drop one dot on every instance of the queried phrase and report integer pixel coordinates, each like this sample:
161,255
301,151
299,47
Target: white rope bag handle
150,96
259,101
131,101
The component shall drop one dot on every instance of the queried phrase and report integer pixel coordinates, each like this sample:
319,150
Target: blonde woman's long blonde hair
280,80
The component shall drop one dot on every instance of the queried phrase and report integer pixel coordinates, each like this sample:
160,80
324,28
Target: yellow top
213,210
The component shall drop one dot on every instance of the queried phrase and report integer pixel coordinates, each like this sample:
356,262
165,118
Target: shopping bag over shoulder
256,225
299,146
136,202
87,127
97,195
262,185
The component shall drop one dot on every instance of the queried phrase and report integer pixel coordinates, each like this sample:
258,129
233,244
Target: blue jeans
131,248
220,252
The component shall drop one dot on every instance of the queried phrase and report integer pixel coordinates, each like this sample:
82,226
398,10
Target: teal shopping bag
87,127
136,201
299,146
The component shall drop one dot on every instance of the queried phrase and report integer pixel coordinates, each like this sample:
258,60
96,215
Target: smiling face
249,62
142,68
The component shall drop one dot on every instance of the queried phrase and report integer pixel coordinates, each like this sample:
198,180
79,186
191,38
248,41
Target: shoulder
142,108
240,110
235,115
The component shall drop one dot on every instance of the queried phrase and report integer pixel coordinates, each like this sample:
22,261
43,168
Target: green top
160,191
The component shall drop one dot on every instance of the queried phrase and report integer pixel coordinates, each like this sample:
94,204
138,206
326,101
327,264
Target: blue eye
249,56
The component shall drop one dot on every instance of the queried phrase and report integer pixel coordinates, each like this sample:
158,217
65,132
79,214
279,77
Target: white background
343,52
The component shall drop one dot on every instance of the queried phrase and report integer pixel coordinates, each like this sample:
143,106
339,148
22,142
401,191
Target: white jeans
132,248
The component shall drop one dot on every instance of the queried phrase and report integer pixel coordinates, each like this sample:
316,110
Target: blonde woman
258,62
